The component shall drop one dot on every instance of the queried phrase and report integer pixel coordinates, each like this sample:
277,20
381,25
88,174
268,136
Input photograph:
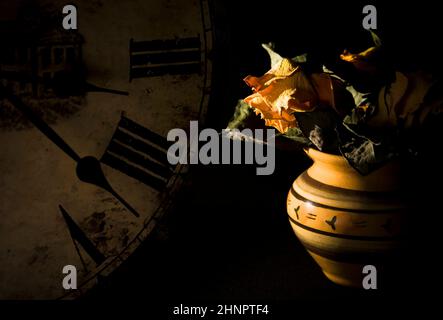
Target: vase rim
315,154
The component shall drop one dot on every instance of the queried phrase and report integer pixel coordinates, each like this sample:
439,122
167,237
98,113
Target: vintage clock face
77,104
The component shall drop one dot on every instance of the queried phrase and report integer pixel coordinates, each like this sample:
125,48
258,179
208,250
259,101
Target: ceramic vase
346,220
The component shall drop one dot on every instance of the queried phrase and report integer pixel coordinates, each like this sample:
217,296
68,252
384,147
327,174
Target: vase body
346,220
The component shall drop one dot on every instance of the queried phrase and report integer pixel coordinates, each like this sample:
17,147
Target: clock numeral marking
139,153
78,236
160,57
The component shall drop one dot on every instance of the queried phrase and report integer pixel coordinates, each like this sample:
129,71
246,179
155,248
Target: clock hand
40,124
88,168
73,83
79,236
89,87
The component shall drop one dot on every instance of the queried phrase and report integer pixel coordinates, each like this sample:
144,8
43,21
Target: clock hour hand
88,168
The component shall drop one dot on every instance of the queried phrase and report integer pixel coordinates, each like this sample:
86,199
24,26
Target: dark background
228,238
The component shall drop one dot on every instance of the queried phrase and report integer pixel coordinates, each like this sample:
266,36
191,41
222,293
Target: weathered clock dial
84,116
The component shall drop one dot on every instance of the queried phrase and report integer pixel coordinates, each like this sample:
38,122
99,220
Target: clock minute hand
93,88
73,83
88,168
40,124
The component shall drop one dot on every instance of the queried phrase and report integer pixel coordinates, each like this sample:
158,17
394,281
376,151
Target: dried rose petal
282,120
363,61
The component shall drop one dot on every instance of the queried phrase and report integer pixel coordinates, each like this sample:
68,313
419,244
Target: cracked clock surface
83,119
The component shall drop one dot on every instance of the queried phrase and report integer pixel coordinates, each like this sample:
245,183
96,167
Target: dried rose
404,101
284,90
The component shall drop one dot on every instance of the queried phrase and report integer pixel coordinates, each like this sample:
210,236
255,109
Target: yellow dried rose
281,91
